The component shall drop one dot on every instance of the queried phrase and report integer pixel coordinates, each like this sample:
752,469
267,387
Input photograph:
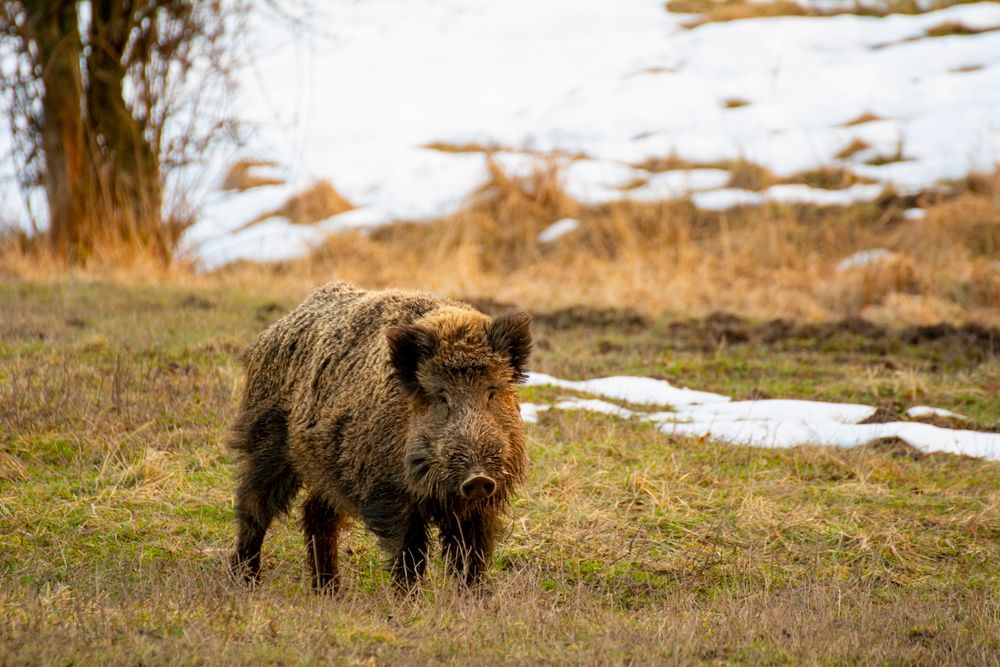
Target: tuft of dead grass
657,257
950,28
982,286
749,175
715,11
896,155
866,117
872,283
718,11
851,149
242,177
668,257
314,204
468,147
666,163
828,178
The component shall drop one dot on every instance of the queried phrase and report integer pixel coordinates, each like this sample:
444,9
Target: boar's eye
442,400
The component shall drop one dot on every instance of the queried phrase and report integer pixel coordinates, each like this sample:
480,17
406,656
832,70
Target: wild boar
398,408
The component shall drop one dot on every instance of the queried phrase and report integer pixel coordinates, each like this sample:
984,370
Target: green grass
626,546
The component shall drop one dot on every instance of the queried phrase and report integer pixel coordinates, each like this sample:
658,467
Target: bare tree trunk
129,169
89,110
55,31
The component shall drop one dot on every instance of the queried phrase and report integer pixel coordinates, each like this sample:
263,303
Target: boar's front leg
321,524
468,546
410,560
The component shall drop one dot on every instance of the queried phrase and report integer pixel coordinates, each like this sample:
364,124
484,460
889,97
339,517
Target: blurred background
810,159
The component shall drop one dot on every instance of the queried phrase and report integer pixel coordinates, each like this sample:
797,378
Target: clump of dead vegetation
244,175
717,11
861,119
314,204
763,261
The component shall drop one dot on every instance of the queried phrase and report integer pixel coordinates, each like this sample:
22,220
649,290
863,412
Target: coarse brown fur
396,407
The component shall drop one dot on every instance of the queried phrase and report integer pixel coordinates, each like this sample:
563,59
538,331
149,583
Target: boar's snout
477,486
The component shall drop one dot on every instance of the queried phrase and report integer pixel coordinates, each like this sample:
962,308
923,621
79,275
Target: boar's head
458,370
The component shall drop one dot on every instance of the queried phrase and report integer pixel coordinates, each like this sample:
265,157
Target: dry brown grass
667,163
31,257
626,546
949,28
769,261
866,117
662,257
714,11
735,102
314,204
711,11
875,282
828,178
896,155
853,148
468,147
241,176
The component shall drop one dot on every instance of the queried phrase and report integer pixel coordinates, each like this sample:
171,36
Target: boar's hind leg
468,546
267,484
321,523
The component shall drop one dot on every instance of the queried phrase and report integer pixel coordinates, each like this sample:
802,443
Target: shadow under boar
396,407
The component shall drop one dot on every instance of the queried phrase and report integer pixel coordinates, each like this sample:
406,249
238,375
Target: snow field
762,423
616,82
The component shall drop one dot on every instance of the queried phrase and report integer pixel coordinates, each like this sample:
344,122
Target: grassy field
626,546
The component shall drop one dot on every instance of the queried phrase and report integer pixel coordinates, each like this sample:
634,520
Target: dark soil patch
574,317
968,335
489,306
970,342
895,447
196,302
592,318
887,411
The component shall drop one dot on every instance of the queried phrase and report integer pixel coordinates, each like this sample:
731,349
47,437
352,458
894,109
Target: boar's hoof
478,486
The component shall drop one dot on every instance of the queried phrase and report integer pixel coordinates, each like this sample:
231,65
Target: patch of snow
339,104
678,183
789,193
595,405
794,193
726,198
766,423
595,181
864,258
530,411
918,411
557,229
914,214
767,410
639,390
793,433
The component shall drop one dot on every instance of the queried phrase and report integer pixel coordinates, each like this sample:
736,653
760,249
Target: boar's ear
408,345
510,335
